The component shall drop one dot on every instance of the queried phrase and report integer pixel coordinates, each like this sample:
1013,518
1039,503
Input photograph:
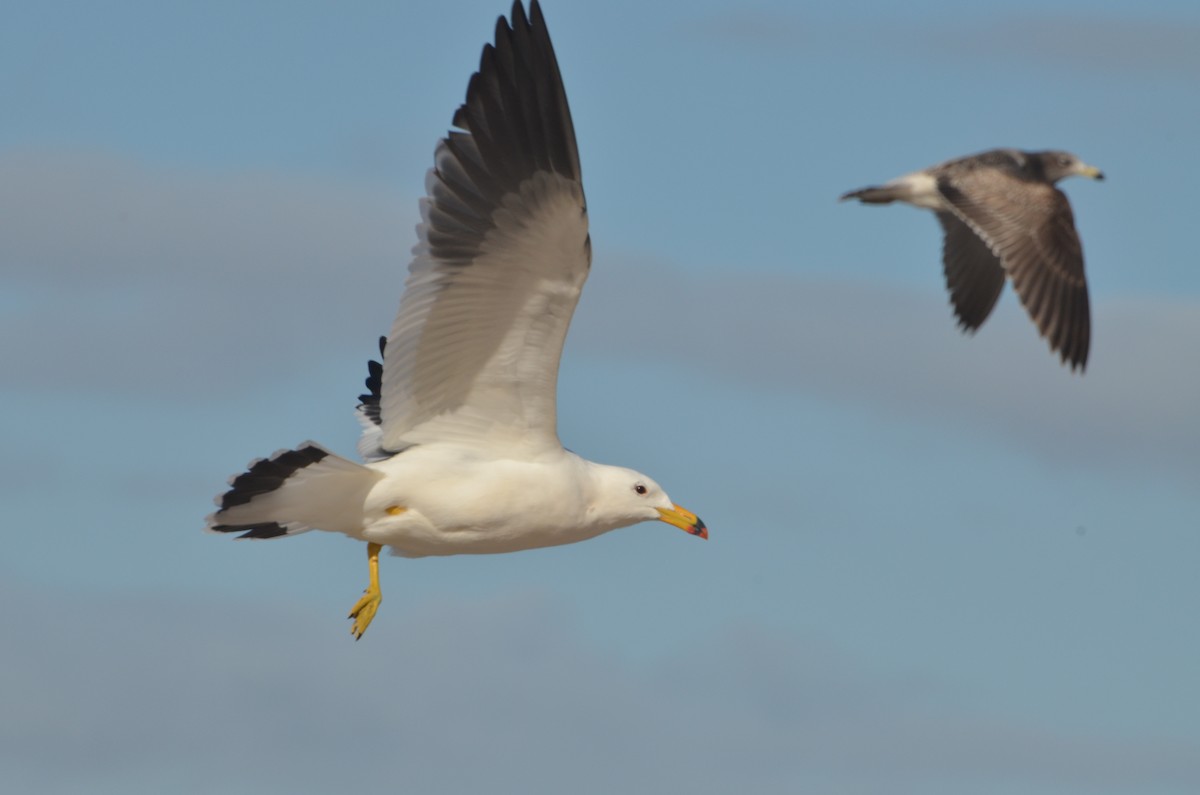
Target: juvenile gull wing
974,276
502,256
1029,225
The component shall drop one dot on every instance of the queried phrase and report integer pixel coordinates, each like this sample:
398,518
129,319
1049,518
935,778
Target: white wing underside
474,351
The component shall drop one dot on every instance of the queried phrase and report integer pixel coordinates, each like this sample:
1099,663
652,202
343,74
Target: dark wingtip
267,474
369,402
515,122
518,14
257,531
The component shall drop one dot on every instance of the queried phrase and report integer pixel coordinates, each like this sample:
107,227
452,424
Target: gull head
1057,164
623,497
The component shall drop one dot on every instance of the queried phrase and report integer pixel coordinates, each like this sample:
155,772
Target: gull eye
1064,161
640,488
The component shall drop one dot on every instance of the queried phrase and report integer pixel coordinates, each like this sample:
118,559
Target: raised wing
1030,227
503,254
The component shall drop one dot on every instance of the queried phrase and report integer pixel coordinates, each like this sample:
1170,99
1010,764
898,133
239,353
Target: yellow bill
684,519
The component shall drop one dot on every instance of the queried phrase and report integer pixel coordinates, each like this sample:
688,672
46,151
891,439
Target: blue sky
938,564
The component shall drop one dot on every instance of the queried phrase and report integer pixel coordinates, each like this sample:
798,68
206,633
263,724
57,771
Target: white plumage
460,431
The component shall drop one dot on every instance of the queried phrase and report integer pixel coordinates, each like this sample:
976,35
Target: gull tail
293,491
876,194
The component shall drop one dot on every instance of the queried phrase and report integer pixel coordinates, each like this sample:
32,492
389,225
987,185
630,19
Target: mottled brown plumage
1001,215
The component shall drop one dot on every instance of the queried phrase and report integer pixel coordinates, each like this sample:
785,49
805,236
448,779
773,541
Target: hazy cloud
133,694
753,28
1092,42
141,281
125,277
89,220
892,350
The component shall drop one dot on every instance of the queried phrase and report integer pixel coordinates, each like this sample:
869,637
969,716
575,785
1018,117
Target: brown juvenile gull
460,439
1002,215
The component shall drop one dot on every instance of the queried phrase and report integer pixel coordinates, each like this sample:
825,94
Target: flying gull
460,443
1002,216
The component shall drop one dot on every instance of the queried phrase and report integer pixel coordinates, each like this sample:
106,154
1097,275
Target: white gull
461,448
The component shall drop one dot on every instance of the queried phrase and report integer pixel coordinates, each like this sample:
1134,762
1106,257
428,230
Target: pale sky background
938,565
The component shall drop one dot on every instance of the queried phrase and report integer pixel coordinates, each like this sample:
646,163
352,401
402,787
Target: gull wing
974,276
502,256
1029,226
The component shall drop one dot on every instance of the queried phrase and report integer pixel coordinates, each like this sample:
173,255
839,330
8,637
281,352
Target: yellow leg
364,609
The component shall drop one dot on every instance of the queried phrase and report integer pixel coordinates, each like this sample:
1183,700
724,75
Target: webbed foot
364,609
